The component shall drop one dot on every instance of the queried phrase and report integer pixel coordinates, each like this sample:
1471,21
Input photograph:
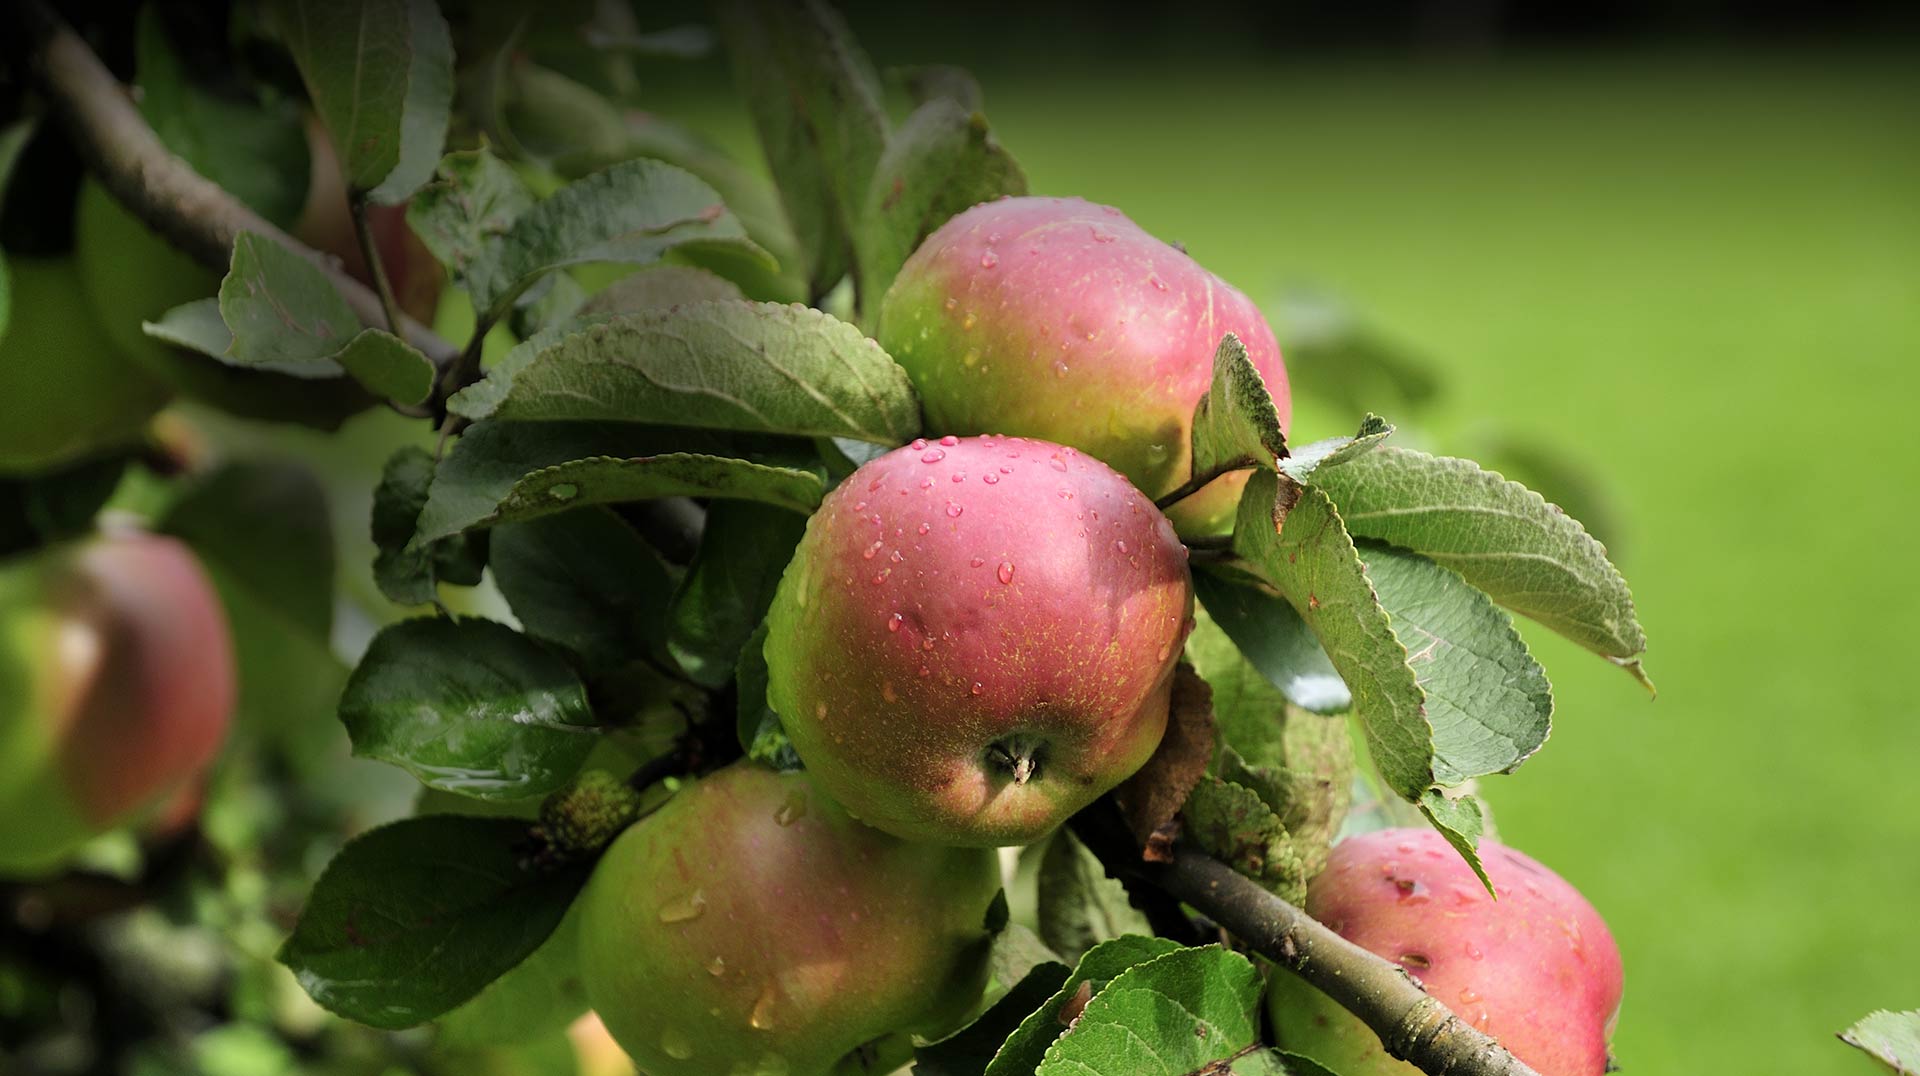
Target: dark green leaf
283,311
759,367
729,587
1171,1016
413,918
48,506
380,73
1312,561
255,150
1891,1038
503,471
388,366
196,326
967,1052
1488,701
1028,1044
1499,535
660,287
1274,639
632,212
1461,821
941,162
816,103
460,216
469,706
1078,905
761,733
407,572
587,581
1235,425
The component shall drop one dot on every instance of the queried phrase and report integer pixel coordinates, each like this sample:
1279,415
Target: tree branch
1412,1024
187,209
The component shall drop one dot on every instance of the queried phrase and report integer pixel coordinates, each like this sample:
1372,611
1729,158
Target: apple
117,684
750,926
68,392
1061,319
1536,969
976,638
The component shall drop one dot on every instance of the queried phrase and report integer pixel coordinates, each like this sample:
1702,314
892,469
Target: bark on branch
187,209
1412,1024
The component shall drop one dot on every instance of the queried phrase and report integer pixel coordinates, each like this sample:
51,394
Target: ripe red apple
1061,319
116,687
1537,969
751,926
977,637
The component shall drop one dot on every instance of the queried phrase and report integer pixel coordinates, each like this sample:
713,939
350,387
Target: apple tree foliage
633,465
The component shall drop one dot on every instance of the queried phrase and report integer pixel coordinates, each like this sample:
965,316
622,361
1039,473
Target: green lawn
1703,277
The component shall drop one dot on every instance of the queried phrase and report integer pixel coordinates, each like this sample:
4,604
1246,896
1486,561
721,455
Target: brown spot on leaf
1076,1004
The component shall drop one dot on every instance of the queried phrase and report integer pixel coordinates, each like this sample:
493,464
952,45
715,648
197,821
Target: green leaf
1079,906
967,1052
816,103
1275,641
942,161
413,918
660,287
256,150
388,366
1303,461
1487,699
1312,561
1171,1016
587,581
380,73
1891,1038
406,571
505,471
1235,425
283,311
460,216
757,367
1461,821
729,587
761,733
1028,1044
1236,825
1499,535
196,326
469,706
632,212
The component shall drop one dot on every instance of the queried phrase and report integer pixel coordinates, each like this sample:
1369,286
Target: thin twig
190,211
376,265
1412,1024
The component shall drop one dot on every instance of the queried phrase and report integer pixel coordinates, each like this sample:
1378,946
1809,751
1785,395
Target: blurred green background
1697,273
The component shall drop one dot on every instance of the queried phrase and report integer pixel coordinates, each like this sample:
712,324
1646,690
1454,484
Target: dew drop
926,483
991,479
925,527
918,444
867,554
880,576
894,622
1005,571
1120,546
933,455
684,909
1004,469
1469,995
949,440
977,561
718,965
1059,368
873,485
954,510
927,643
896,556
1103,237
762,1016
676,1045
987,261
924,671
1474,953
887,692
1156,282
977,688
959,476
1057,463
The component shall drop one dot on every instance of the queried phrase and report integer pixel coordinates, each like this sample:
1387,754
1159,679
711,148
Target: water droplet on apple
954,510
991,479
1059,368
918,444
1057,463
1005,571
684,908
894,622
867,554
676,1044
761,1018
881,576
1120,546
718,965
977,561
977,688
1469,995
933,455
1156,282
987,261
